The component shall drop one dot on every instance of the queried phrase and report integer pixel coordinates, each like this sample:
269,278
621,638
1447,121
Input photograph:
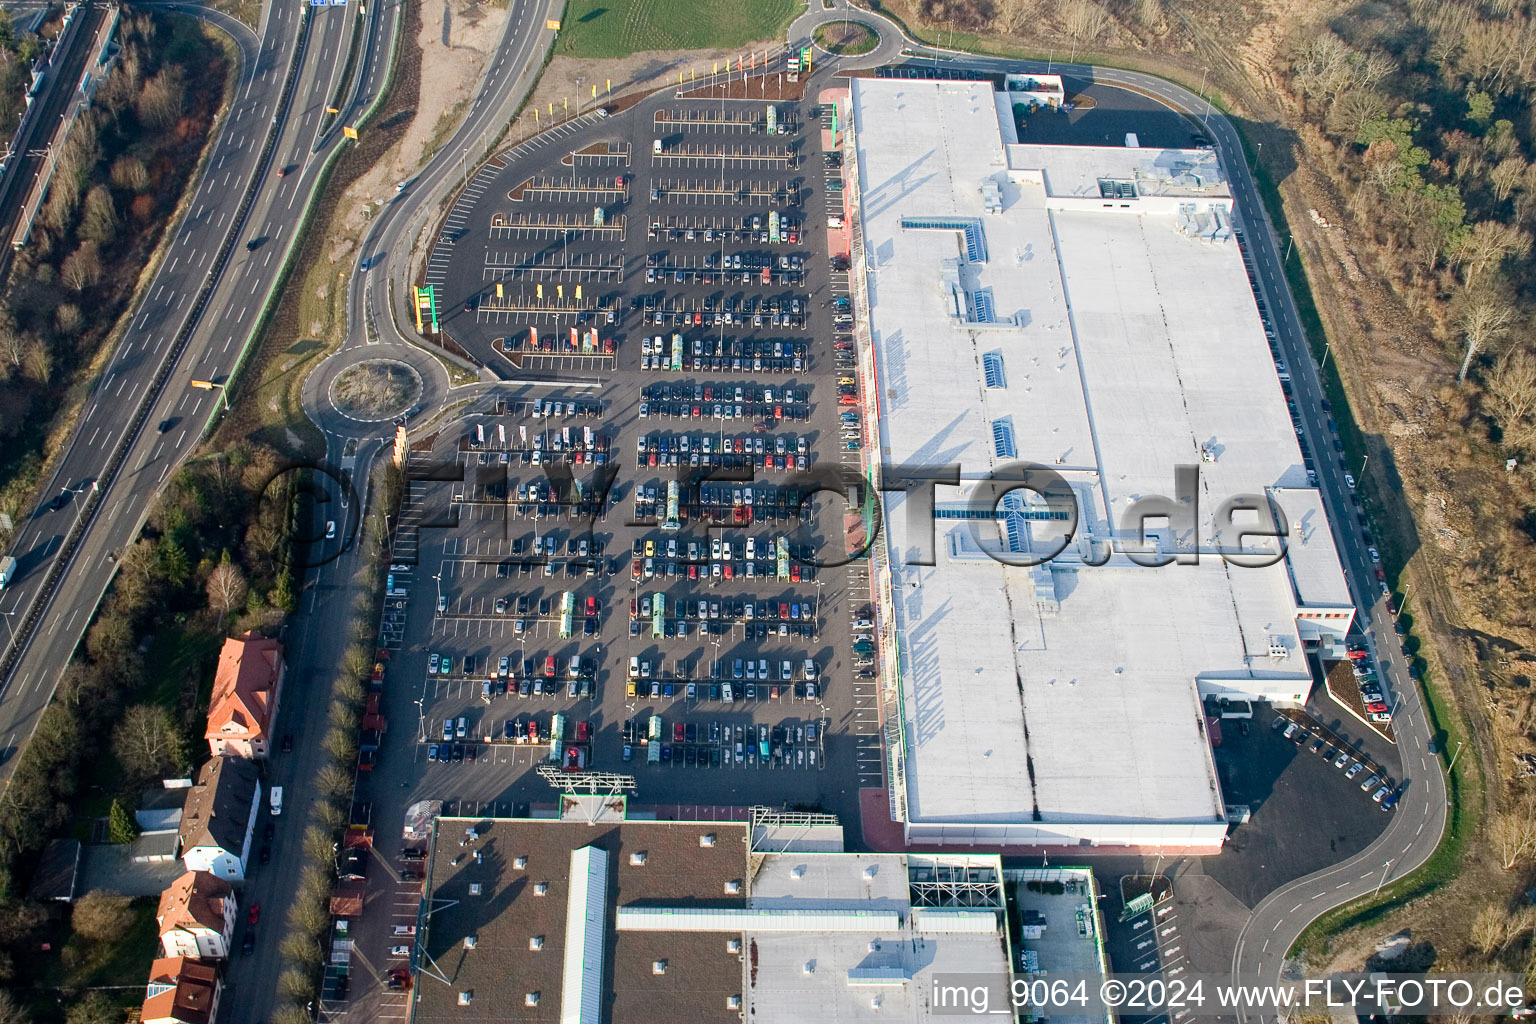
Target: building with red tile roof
246,688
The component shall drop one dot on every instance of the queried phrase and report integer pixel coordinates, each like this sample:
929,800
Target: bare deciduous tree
1483,321
1513,834
1488,244
37,361
1012,15
1083,19
82,268
1506,176
1511,397
163,98
1370,68
11,1012
101,915
1351,111
12,347
147,742
99,221
129,173
226,587
1324,65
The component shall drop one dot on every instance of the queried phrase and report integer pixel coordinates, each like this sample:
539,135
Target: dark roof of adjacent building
161,808
501,970
58,871
219,806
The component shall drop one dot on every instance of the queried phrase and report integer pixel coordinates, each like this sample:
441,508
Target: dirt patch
848,38
618,80
456,39
376,389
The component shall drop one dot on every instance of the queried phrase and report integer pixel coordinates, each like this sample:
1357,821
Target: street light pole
1383,881
1448,768
208,385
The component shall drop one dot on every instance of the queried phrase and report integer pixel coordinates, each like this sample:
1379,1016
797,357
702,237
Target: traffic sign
553,24
349,131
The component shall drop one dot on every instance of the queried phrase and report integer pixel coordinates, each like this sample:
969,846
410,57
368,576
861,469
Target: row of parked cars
709,744
1376,782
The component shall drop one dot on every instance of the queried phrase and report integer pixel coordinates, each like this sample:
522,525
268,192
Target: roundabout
375,390
846,38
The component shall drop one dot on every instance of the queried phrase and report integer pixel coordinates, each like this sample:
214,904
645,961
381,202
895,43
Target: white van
276,799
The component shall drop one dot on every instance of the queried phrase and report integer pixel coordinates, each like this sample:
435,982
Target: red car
730,573
783,611
254,914
583,731
591,607
1376,707
634,608
634,569
693,572
549,666
794,574
677,732
533,731
698,318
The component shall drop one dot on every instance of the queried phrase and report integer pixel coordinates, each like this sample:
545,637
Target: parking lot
637,567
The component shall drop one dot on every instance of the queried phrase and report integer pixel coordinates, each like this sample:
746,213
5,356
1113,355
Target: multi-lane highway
195,320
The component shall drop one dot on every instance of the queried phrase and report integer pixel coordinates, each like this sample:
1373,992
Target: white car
1354,769
1349,480
1375,555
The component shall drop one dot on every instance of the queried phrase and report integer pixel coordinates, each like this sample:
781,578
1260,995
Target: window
1002,439
992,368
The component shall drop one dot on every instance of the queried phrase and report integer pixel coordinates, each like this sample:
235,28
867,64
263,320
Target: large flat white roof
1123,343
877,974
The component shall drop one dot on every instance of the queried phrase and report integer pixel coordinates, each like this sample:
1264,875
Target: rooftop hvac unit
531,999
540,888
707,839
1277,648
637,859
520,863
475,888
733,1002
469,993
536,942
470,942
659,967
733,945
733,887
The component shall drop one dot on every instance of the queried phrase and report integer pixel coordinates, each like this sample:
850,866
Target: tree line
119,176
